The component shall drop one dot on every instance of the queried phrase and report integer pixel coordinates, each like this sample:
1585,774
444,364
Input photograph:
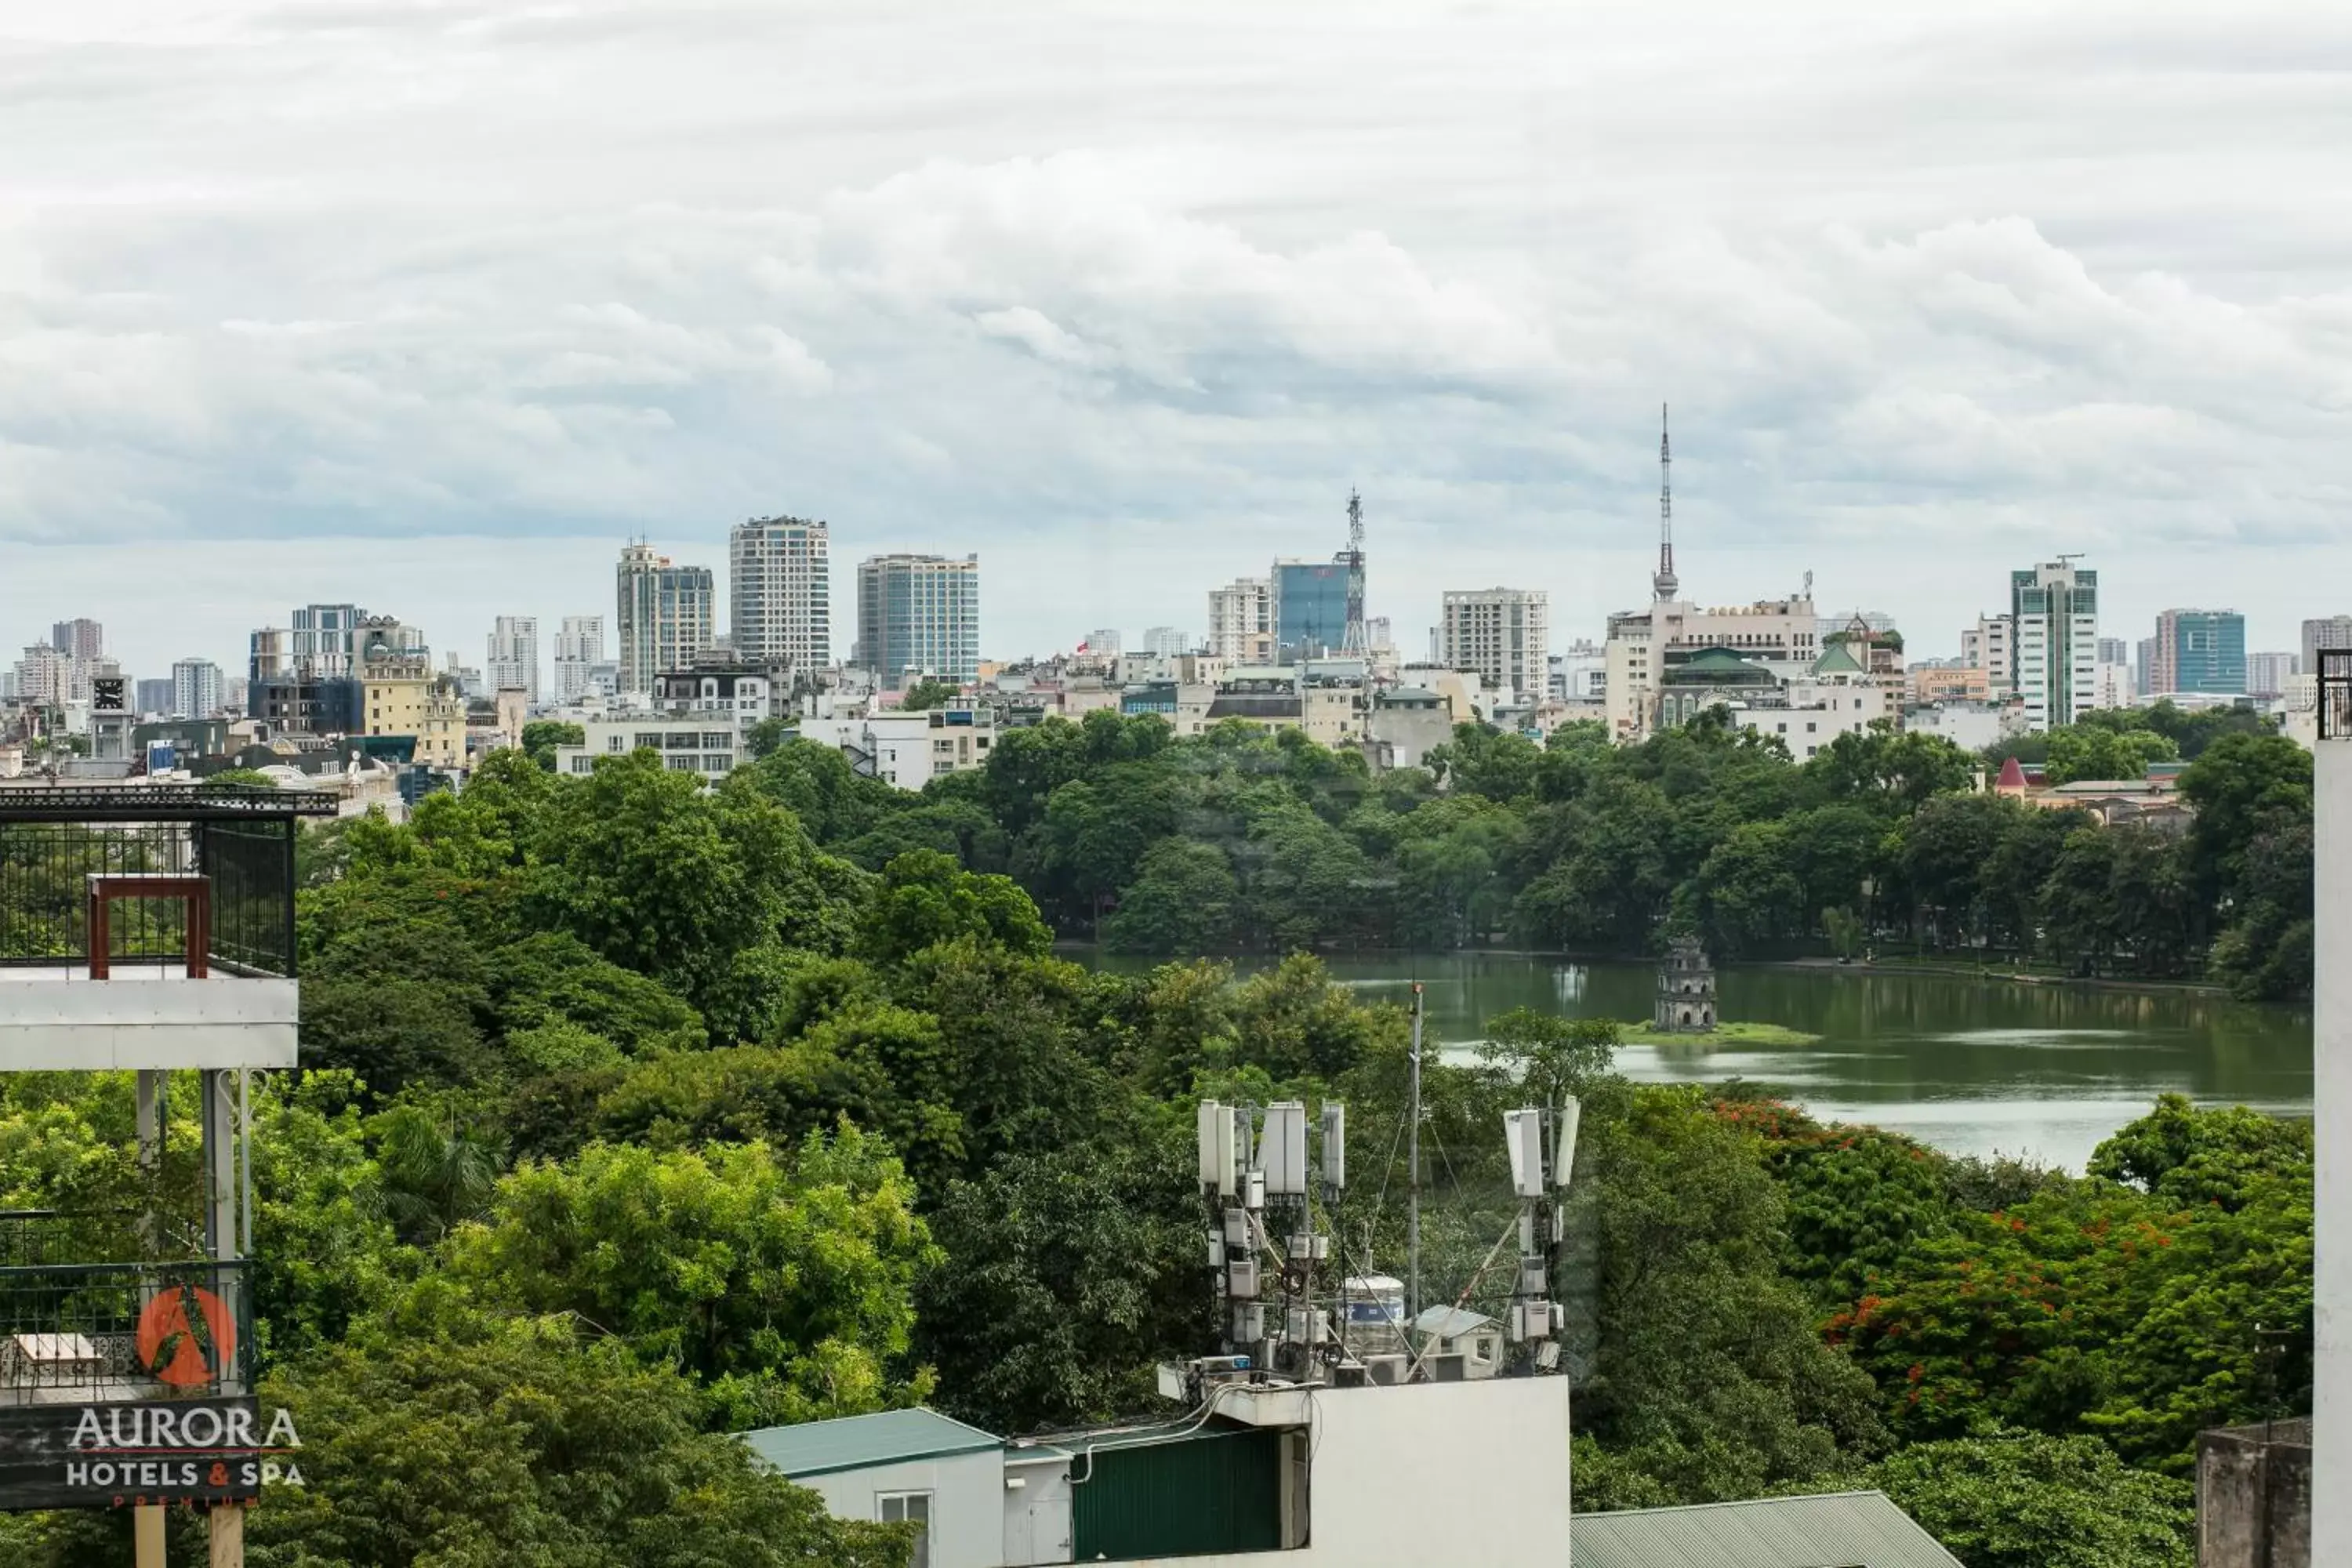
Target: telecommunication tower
1665,582
1352,641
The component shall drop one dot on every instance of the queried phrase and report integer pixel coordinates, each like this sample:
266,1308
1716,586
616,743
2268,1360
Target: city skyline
1121,305
2275,626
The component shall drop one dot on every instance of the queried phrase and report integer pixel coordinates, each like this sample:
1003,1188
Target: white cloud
1127,297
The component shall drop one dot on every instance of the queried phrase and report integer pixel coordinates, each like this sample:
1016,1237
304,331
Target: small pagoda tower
1685,1003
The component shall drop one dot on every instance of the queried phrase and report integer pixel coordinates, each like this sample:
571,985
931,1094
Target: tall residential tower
779,592
664,615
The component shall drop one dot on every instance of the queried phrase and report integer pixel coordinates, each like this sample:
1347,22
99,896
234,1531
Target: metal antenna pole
1413,1157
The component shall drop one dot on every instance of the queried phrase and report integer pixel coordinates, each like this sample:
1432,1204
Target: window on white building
908,1508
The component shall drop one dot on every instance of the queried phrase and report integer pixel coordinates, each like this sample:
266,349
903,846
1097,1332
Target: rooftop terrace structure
148,926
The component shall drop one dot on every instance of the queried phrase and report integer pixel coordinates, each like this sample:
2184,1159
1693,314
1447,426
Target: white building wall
967,1502
1432,1475
2331,1448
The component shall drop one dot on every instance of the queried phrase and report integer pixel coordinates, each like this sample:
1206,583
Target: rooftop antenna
1666,584
1352,639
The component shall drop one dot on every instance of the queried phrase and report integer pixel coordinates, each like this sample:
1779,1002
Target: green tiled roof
1841,1530
854,1442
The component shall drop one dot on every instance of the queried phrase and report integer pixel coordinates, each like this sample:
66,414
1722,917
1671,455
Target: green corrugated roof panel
854,1442
1841,1530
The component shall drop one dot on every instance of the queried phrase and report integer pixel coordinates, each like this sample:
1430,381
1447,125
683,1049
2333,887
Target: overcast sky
430,304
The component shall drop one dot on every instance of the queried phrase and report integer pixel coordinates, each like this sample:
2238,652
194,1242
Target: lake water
1972,1067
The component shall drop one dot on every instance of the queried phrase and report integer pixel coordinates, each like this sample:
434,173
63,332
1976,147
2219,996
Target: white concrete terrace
55,1017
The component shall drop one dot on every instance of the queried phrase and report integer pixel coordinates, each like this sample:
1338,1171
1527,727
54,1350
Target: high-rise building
2055,608
1379,632
270,653
2115,650
154,696
513,658
2327,631
1103,642
198,690
663,615
918,613
779,592
325,639
2143,663
2268,674
2200,653
1163,642
1310,608
1504,634
579,648
80,637
1241,621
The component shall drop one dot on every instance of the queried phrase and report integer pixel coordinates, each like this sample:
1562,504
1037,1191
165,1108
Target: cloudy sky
429,304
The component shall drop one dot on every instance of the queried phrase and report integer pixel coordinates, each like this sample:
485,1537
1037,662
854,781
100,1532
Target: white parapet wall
2331,1042
1430,1474
58,1019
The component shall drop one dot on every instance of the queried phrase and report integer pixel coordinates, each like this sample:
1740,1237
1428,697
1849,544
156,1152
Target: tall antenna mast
1666,582
1352,641
1412,1161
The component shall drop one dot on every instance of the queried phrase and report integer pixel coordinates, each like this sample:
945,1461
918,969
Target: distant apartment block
579,648
154,697
80,637
198,690
2200,653
325,638
664,615
707,745
1504,634
1241,621
1991,646
1163,642
779,592
2268,674
512,661
2327,631
918,613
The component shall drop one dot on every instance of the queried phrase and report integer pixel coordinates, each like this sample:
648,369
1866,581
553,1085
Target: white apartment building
1817,711
908,750
1241,621
1991,646
578,649
2056,606
780,591
2112,684
197,689
709,745
664,615
1504,634
512,660
749,697
2325,631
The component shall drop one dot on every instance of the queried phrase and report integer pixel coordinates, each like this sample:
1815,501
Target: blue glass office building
2202,652
1310,608
918,613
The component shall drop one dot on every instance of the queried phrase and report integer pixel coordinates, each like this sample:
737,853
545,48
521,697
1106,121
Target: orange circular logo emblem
168,1343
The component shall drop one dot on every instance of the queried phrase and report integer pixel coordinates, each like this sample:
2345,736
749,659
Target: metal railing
2336,694
53,840
97,1333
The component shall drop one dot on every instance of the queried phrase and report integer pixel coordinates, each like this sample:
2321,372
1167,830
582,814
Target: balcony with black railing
148,926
